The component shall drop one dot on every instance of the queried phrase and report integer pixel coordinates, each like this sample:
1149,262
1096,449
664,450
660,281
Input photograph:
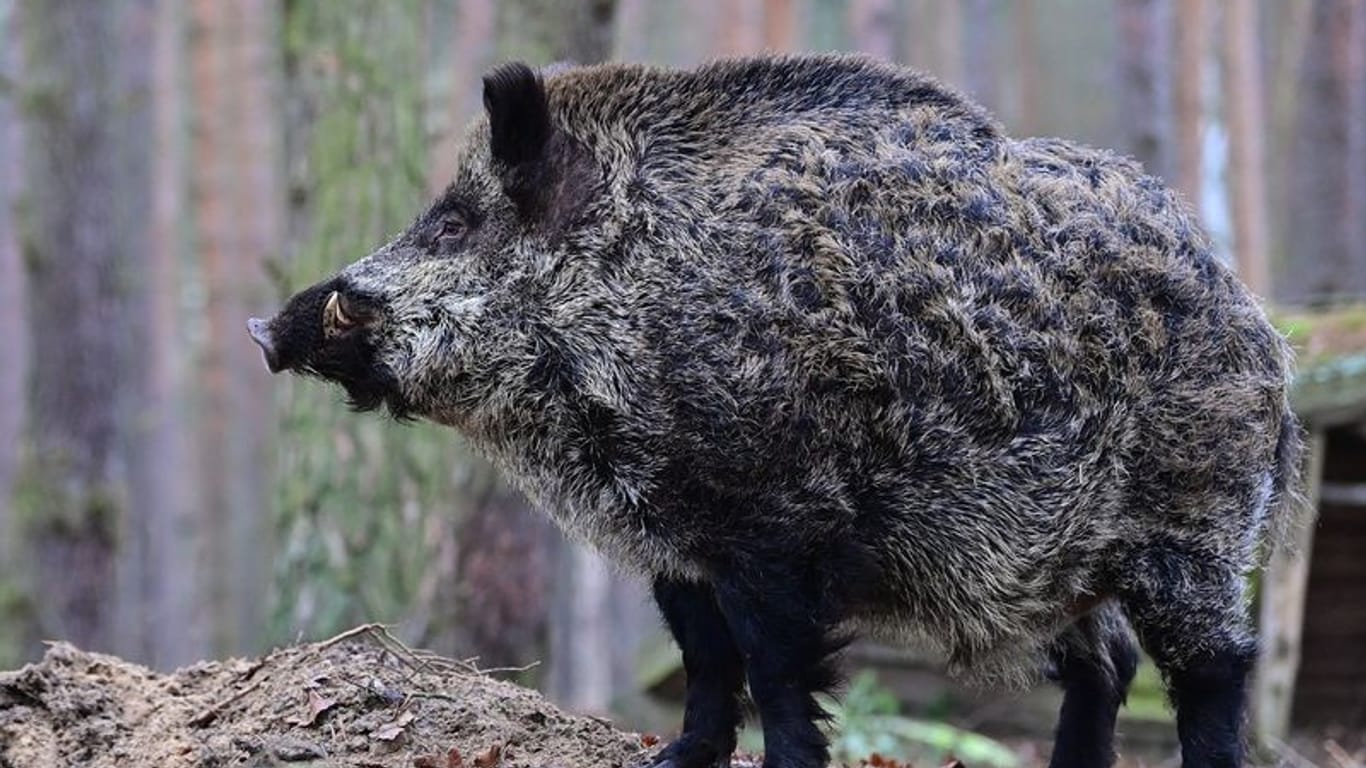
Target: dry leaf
391,730
317,705
491,758
648,739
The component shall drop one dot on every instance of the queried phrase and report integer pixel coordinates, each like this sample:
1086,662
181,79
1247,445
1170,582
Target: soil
361,699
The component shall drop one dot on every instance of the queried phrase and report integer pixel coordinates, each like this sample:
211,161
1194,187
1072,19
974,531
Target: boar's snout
260,333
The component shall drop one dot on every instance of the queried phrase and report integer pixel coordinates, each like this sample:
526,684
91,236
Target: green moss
48,502
1322,336
362,502
16,613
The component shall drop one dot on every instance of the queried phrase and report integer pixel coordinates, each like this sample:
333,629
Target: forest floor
360,699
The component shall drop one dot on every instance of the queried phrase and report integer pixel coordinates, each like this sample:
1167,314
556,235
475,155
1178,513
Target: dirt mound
361,699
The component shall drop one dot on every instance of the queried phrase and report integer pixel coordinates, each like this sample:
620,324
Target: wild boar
815,347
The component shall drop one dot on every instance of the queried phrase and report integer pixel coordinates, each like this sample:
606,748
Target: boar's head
435,322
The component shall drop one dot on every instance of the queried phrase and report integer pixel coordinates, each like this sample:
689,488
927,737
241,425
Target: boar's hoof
690,752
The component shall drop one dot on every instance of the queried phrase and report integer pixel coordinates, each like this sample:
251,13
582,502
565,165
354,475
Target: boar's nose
260,333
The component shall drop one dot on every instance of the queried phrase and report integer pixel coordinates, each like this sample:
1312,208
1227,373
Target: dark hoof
689,752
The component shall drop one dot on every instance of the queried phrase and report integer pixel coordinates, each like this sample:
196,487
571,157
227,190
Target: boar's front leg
714,671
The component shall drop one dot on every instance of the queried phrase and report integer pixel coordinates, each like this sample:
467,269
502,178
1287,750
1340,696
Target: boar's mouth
296,340
368,383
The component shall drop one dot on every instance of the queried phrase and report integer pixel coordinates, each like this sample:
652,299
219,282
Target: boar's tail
1289,505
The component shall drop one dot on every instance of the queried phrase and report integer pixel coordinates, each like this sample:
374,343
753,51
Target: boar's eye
451,231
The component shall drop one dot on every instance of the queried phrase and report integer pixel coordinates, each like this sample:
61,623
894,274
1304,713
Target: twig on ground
502,670
1288,754
350,633
418,660
205,717
426,695
1339,754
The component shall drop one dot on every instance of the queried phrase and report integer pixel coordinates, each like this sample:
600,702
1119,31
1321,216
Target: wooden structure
1312,670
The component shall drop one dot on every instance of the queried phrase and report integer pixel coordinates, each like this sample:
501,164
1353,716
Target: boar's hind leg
1094,661
1188,608
782,623
714,674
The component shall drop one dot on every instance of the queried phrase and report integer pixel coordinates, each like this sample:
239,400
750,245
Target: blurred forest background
170,167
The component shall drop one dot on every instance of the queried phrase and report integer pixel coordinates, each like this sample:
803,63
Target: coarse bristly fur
816,348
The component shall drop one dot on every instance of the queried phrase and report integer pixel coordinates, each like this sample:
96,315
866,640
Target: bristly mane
733,101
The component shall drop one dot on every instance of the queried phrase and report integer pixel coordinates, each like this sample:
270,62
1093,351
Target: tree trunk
871,25
580,673
1293,22
1144,78
780,26
469,57
550,31
1028,79
237,204
932,39
87,176
980,49
14,342
1313,267
1192,38
739,29
1353,76
165,575
1246,117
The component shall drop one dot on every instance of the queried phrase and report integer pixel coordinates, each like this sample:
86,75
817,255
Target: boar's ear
519,115
543,171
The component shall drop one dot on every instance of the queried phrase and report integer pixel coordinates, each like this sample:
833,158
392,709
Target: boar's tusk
334,311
